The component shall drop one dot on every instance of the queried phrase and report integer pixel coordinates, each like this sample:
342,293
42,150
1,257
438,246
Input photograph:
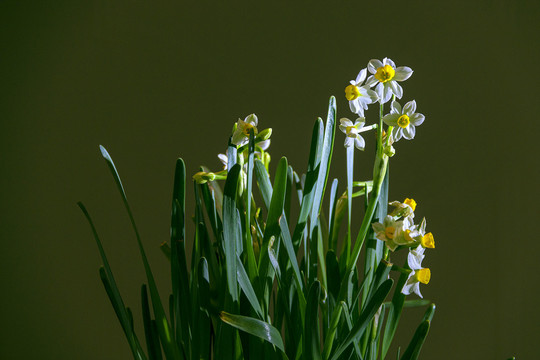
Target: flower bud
264,135
202,177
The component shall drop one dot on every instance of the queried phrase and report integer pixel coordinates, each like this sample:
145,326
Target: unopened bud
202,177
389,150
264,135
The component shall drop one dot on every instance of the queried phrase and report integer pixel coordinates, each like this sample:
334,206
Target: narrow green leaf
333,226
330,335
164,328
326,158
365,317
231,233
179,270
413,350
248,244
394,315
150,332
348,321
114,294
254,327
310,182
247,288
263,180
311,347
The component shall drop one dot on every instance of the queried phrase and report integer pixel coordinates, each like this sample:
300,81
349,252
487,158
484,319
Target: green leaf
247,288
348,321
254,327
151,335
413,350
394,314
164,328
231,232
310,182
330,335
333,228
365,317
324,165
109,283
248,244
263,180
179,269
311,347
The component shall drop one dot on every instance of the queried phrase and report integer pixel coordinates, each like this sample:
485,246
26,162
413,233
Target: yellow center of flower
408,236
248,126
423,275
352,92
349,129
403,121
428,241
410,202
385,73
389,232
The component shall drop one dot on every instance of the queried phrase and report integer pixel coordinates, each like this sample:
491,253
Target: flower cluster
399,231
385,75
240,138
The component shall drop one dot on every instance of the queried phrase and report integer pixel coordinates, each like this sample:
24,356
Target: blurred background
153,81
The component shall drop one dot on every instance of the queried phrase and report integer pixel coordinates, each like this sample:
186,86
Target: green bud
389,150
264,135
202,177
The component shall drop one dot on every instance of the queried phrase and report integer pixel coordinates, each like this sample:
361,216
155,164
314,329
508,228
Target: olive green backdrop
153,81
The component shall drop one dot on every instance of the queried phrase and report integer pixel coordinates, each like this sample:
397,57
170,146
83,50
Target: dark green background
156,80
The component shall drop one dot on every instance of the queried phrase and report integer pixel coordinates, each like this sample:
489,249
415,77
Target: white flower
241,134
387,230
425,239
224,159
418,274
386,76
360,96
406,208
407,233
404,120
353,132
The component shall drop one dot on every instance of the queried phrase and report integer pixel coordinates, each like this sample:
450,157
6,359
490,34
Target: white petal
359,142
264,144
361,76
398,133
359,123
372,96
379,89
389,62
409,108
378,227
417,119
414,260
349,142
387,93
223,158
252,118
416,289
403,73
238,137
391,119
373,65
395,108
345,122
355,107
371,81
396,88
409,131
